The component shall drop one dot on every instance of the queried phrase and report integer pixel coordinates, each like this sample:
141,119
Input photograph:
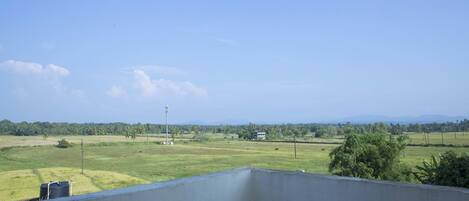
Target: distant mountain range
400,119
223,122
361,119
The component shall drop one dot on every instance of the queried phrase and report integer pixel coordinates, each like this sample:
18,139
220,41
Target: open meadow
447,138
116,161
434,138
13,141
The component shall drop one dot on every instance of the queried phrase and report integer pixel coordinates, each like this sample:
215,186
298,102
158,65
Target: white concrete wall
247,184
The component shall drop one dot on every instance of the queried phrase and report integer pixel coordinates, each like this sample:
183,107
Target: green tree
371,156
448,169
195,129
326,131
322,132
348,130
175,131
248,133
379,128
396,129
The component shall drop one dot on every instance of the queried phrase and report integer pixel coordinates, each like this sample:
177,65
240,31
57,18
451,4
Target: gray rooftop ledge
251,184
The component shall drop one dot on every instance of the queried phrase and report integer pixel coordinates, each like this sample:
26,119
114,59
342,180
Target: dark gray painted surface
297,186
247,184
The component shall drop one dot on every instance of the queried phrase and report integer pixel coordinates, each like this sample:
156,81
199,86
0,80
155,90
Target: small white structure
260,135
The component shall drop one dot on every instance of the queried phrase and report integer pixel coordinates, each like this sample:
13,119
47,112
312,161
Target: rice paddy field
115,161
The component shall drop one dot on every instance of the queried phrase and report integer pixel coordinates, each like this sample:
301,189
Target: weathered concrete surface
247,184
230,186
283,185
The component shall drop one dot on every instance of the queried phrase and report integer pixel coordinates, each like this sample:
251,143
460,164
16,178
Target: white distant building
260,135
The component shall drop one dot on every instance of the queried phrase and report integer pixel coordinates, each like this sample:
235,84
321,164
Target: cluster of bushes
371,156
326,132
448,169
63,143
377,156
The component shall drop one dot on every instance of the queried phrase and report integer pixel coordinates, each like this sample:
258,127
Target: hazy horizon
263,61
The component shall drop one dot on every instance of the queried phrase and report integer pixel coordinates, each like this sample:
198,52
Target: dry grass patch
23,184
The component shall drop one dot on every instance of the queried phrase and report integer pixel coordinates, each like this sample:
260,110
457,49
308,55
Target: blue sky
213,61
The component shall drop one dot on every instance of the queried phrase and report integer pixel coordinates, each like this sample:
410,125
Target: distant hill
400,119
223,122
361,119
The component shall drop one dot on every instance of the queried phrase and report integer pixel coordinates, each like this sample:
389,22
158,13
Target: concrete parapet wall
247,184
282,186
227,186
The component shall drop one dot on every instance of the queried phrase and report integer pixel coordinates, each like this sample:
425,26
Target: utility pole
294,144
442,141
166,117
82,156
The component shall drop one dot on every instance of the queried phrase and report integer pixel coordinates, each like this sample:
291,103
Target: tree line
274,131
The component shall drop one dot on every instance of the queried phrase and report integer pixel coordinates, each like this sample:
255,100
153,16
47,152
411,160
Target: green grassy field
453,138
118,164
449,138
12,141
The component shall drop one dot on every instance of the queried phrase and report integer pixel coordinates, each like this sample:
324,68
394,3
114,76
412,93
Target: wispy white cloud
22,67
163,87
35,76
116,91
56,70
228,42
160,70
144,83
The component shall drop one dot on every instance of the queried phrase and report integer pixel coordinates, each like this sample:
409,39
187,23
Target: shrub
63,143
449,169
320,133
371,156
